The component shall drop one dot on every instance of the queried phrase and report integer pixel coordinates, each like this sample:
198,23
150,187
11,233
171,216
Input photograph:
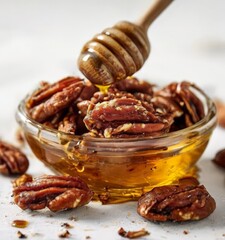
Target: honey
20,223
121,176
103,89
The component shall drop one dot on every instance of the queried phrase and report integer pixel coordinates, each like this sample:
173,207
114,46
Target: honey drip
102,88
20,223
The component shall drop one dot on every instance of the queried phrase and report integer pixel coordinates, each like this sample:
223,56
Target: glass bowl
119,170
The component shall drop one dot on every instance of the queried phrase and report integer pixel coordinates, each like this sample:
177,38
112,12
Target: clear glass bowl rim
205,125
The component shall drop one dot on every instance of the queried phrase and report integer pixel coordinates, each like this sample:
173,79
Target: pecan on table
176,203
219,158
133,234
12,160
122,116
51,99
58,193
183,95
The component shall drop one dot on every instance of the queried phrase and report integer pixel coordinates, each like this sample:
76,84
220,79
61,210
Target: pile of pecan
129,108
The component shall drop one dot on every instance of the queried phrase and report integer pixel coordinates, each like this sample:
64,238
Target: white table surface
41,40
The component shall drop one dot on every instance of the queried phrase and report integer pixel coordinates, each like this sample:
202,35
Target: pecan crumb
104,197
20,137
66,225
64,234
21,235
72,218
133,234
219,159
185,232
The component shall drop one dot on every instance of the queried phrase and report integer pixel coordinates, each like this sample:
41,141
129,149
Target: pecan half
219,159
12,160
182,94
58,193
46,90
122,115
176,203
46,102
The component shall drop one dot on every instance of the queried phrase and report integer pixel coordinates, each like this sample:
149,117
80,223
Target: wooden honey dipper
120,51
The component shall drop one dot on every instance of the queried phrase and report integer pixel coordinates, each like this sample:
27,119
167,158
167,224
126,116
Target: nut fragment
68,124
12,160
133,234
176,203
64,234
21,235
58,193
219,159
22,180
66,225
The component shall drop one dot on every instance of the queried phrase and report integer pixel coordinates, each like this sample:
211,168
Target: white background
41,40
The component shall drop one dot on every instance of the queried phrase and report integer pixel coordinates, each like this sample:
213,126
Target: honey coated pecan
176,203
122,115
184,96
58,193
12,160
47,102
133,85
68,123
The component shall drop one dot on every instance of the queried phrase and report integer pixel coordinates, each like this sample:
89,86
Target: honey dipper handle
152,13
